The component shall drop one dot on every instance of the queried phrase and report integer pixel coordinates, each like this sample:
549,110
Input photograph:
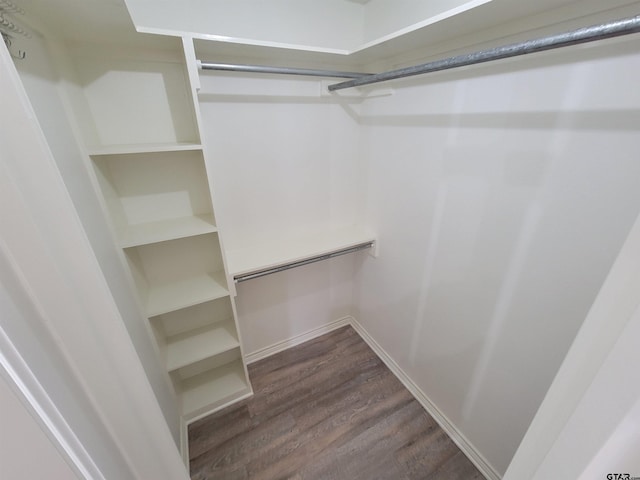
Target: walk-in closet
446,190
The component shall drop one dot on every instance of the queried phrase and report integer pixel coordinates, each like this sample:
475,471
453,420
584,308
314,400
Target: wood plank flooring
326,409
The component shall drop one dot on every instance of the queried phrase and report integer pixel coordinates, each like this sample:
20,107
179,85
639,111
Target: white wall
279,307
501,195
285,164
588,424
41,81
19,430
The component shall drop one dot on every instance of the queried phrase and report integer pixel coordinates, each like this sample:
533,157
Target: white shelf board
142,148
212,387
184,293
153,232
190,347
261,257
463,27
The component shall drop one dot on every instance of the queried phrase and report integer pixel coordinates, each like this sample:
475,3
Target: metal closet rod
261,273
279,70
615,28
611,29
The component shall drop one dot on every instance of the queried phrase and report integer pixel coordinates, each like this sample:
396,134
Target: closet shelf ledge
246,261
142,148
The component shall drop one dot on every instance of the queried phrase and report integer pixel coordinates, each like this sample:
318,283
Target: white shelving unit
139,125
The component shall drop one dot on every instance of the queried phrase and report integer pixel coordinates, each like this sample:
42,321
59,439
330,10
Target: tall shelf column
140,129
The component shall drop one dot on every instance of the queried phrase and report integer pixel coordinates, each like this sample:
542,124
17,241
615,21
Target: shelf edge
142,148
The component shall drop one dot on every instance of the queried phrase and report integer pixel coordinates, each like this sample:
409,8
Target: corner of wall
441,419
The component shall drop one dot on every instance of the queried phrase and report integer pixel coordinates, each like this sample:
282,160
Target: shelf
133,100
192,318
213,387
140,130
262,257
167,297
160,231
191,347
153,192
143,148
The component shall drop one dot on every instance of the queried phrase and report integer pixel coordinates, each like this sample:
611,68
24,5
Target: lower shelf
192,346
212,388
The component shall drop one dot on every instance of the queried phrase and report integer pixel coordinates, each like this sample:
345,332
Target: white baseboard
184,442
297,340
450,429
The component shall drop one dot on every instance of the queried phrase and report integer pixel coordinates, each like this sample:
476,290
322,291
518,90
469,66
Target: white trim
34,397
297,340
184,441
450,429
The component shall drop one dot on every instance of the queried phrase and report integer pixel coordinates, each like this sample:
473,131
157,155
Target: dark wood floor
327,409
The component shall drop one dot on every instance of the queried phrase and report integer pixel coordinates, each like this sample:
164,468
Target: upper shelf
133,102
266,256
363,35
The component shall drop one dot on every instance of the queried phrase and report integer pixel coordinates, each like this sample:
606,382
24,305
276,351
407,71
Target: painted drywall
282,306
588,424
609,446
24,325
285,164
19,429
598,338
41,81
501,195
